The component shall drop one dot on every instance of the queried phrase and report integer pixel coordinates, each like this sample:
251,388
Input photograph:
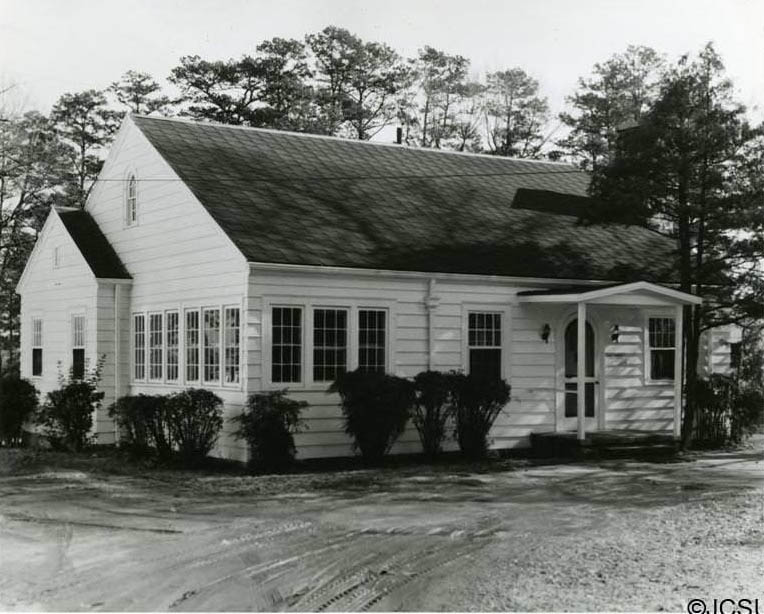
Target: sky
48,47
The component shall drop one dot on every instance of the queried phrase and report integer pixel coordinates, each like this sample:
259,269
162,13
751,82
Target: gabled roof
307,200
576,294
97,251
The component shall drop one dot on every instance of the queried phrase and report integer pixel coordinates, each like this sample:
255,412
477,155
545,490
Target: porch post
678,362
581,372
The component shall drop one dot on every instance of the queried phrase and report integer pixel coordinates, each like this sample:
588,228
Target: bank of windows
484,344
36,347
329,340
661,348
209,343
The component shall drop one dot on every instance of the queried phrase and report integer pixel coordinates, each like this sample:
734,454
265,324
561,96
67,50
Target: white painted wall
533,368
177,255
55,294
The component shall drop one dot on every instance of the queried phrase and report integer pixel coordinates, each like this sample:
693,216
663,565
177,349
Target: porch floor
604,444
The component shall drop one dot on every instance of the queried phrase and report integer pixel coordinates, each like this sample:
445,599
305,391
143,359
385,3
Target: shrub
143,424
477,403
195,417
18,402
432,410
727,410
67,415
376,408
268,425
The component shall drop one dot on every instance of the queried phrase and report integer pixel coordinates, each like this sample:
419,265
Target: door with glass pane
568,416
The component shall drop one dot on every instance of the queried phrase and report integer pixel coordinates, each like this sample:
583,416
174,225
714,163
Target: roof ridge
468,154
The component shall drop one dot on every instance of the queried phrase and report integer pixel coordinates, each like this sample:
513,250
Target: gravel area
609,536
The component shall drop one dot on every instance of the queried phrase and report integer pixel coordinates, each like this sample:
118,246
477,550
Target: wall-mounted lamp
546,330
615,332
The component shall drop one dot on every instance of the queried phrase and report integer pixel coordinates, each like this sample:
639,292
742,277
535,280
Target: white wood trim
599,295
462,277
505,310
581,372
679,335
655,313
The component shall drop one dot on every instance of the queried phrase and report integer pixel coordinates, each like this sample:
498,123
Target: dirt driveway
607,536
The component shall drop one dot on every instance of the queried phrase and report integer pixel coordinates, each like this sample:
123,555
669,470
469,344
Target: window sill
659,382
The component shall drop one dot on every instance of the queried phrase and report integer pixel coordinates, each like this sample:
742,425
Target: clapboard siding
176,254
55,295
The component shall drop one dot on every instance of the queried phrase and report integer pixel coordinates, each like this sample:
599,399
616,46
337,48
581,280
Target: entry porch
588,347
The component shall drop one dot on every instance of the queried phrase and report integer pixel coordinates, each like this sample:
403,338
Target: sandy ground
603,536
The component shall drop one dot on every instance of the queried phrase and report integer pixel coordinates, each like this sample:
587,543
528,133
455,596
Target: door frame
563,424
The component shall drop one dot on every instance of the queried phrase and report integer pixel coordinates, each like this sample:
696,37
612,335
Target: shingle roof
97,251
298,199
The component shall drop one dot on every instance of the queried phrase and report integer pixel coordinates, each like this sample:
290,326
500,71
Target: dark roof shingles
296,199
93,245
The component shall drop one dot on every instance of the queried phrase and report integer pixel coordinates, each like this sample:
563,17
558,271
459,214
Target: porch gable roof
630,293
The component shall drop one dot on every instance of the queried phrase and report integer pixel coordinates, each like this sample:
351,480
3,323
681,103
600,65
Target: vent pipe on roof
398,135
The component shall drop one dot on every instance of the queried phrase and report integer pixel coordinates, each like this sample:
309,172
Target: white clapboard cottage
242,260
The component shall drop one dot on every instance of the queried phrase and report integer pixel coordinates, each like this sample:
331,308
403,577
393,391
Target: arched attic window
131,200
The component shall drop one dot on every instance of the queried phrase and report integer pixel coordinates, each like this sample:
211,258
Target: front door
569,418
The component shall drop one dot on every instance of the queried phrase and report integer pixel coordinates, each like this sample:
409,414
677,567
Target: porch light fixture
614,333
546,330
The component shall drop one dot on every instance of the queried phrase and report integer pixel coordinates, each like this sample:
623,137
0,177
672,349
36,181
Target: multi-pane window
286,344
372,339
78,347
192,346
231,333
36,346
139,346
131,201
661,346
171,345
330,328
484,343
211,349
155,346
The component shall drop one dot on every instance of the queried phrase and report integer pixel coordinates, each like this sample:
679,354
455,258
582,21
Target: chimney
398,135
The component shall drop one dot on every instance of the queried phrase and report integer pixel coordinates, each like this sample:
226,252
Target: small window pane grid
484,330
132,200
211,367
155,347
329,344
372,340
192,346
484,343
662,337
231,345
171,343
139,342
36,346
286,344
78,347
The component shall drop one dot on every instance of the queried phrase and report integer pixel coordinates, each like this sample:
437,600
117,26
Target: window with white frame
78,347
172,345
286,344
372,340
330,338
36,347
155,347
661,348
484,344
131,201
192,345
57,259
139,346
231,334
211,349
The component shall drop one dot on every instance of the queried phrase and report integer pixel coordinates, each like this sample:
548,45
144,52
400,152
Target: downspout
117,295
431,306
